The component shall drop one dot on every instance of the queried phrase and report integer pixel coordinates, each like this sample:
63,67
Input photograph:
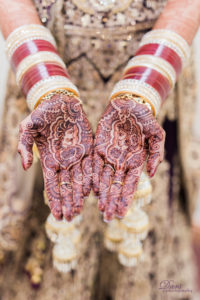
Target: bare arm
57,125
15,13
181,16
126,126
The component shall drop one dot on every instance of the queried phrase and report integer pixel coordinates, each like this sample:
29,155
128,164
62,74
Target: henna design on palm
63,135
126,135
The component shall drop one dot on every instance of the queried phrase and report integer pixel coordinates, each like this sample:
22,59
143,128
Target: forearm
32,52
153,71
181,16
58,127
15,13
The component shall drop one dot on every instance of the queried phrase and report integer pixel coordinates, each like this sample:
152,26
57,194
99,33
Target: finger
51,182
87,175
77,178
114,195
98,164
105,184
66,194
129,188
156,150
25,144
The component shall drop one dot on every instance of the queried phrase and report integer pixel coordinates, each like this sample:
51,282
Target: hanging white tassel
54,228
124,236
143,193
130,252
66,236
65,255
136,223
113,235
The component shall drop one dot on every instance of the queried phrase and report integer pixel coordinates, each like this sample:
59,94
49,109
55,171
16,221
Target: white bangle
33,59
168,38
138,88
156,63
25,33
45,86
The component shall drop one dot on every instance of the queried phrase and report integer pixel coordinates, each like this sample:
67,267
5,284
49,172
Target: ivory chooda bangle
38,67
152,73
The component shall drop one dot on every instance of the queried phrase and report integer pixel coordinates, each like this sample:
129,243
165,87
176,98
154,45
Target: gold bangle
140,89
62,91
134,97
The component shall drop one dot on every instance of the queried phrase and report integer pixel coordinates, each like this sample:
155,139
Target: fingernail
152,173
101,208
149,173
107,218
77,211
58,217
23,165
69,218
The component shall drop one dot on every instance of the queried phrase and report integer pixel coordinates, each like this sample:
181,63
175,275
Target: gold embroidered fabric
101,13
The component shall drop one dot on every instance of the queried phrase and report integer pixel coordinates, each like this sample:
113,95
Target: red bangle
164,52
159,82
28,48
39,72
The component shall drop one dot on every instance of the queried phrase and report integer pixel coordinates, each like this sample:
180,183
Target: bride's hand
63,135
126,134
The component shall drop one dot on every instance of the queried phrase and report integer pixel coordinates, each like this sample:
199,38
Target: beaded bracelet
152,73
39,69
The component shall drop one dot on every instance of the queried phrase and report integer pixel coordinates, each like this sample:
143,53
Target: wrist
151,74
62,91
39,69
134,98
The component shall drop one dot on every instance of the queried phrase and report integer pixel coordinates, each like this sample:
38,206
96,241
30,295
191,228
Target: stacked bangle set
148,77
39,70
153,71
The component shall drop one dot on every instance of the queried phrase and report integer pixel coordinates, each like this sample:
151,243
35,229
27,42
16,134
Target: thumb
156,151
25,144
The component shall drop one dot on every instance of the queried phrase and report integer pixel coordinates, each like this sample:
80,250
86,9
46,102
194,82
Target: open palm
63,135
126,134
